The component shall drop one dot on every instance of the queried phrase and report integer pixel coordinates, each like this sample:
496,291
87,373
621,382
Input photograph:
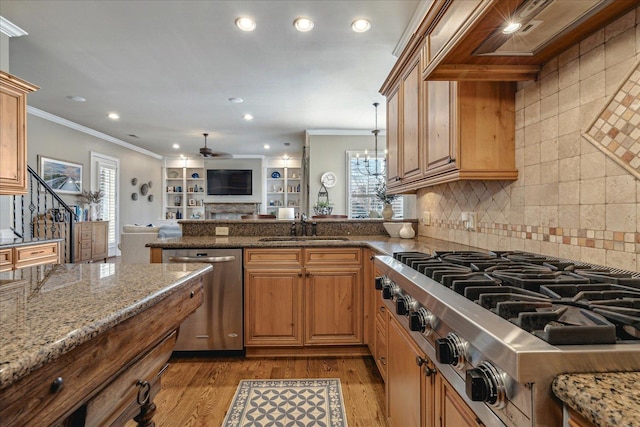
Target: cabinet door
411,143
99,239
369,298
273,307
380,352
333,309
13,134
404,379
451,410
439,137
393,139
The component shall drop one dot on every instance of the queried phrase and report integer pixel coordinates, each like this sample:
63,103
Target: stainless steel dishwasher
218,324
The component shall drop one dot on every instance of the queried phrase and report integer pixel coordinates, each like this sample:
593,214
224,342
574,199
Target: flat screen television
229,182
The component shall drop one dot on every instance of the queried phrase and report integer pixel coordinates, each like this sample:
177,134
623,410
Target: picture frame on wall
62,176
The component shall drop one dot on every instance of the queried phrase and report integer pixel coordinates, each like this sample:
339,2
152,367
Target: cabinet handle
57,385
383,360
429,371
420,361
382,309
299,274
192,294
144,392
371,258
37,252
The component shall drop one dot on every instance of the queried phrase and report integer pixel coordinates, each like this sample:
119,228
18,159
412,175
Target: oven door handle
202,259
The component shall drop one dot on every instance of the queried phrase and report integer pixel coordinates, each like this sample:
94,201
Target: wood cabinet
409,384
405,126
575,419
27,255
13,133
450,409
303,297
380,348
91,239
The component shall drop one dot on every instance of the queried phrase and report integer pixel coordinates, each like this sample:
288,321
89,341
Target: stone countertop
605,399
382,244
49,310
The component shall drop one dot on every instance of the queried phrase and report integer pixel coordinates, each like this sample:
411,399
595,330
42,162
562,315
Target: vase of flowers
386,199
93,199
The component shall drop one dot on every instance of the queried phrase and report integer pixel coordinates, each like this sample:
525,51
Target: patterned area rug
287,403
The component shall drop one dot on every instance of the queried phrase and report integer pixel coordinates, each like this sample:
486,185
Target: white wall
329,153
60,142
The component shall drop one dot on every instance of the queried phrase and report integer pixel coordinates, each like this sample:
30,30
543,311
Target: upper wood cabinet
13,133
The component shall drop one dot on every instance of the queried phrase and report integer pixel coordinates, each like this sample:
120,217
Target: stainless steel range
501,325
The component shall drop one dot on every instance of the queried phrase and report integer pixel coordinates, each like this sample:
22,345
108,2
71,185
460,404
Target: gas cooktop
558,301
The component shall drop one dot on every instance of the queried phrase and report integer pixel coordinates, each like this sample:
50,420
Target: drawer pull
383,360
192,294
382,309
57,385
37,252
144,392
429,371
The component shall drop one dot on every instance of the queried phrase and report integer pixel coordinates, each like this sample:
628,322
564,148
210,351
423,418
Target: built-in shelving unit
184,189
284,185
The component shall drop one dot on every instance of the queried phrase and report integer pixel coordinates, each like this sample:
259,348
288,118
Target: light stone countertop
606,399
49,310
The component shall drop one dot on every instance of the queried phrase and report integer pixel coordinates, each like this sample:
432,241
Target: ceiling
168,68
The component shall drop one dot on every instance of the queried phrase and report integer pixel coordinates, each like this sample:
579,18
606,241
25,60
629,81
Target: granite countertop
606,399
52,309
382,244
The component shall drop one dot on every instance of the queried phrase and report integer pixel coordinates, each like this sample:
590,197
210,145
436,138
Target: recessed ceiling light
267,146
176,146
76,98
360,25
246,24
113,116
303,24
247,117
236,100
512,27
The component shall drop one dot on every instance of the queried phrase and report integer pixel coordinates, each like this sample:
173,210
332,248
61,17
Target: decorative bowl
393,228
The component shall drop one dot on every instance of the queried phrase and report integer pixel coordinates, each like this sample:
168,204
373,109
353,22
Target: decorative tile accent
280,403
616,131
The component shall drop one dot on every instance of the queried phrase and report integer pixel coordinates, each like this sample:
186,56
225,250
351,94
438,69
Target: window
362,200
106,176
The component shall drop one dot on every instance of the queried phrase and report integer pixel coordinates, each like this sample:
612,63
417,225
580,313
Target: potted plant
386,199
322,208
93,199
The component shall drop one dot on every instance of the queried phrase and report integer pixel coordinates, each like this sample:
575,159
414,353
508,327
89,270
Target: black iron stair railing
42,215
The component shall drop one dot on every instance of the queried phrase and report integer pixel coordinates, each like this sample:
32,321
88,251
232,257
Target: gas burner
532,280
464,258
607,276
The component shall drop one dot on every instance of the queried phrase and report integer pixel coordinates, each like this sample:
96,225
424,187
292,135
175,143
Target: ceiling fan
208,152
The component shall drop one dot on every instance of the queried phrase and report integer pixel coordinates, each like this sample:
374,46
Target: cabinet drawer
106,407
381,309
85,235
6,259
333,256
381,349
273,257
36,254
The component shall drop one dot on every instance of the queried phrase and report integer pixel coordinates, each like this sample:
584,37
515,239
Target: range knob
422,320
389,290
486,384
450,350
405,304
380,281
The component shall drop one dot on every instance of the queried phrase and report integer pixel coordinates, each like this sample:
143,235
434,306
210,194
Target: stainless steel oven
218,324
500,326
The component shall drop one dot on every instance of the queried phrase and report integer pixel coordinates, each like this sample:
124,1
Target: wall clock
328,179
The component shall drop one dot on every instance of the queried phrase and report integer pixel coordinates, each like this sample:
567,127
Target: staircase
42,215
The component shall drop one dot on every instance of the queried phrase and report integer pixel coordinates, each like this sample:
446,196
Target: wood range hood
465,40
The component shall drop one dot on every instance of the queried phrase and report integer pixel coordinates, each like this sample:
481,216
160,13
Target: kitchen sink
303,239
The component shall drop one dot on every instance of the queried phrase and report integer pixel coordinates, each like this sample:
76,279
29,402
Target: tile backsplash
571,199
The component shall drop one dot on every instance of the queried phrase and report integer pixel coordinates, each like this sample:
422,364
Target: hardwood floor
197,391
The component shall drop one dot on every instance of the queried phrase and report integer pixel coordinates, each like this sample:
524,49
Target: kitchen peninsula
88,342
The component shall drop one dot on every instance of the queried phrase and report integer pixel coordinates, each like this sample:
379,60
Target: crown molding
416,19
75,126
10,29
